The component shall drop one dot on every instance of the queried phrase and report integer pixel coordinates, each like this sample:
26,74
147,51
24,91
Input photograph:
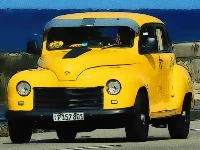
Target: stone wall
11,64
188,55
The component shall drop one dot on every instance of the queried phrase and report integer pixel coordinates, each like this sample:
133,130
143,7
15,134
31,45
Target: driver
124,36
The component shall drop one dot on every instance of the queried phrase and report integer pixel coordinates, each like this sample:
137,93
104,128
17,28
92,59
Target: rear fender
181,85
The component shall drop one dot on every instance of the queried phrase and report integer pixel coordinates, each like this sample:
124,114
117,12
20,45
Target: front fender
130,81
35,77
181,85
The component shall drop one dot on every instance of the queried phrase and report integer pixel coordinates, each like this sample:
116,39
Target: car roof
137,17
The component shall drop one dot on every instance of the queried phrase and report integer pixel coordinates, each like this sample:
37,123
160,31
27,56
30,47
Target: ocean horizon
21,25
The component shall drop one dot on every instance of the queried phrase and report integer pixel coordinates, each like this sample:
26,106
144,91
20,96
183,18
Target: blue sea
19,26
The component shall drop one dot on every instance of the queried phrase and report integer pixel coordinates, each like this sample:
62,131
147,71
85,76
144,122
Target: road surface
109,140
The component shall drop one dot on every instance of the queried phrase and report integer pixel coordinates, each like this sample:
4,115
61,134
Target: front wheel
179,126
19,131
138,128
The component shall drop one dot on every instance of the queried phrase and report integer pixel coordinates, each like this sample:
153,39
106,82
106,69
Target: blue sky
100,4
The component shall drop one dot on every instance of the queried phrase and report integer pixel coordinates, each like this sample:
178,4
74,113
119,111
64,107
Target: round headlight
23,88
113,87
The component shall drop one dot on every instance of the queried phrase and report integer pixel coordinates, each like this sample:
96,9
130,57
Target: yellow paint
166,87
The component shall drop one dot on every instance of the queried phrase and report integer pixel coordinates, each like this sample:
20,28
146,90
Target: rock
4,131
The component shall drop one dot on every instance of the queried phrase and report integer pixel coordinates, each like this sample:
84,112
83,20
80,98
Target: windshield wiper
109,46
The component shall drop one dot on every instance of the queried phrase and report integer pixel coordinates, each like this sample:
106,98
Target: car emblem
67,72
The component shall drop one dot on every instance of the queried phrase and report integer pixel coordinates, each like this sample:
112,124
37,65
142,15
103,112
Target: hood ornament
67,72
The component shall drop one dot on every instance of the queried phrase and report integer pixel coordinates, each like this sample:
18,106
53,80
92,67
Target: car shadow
88,139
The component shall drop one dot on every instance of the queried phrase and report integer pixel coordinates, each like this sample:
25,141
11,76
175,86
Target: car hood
68,66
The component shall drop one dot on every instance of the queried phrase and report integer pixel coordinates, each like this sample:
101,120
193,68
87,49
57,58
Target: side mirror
149,45
32,48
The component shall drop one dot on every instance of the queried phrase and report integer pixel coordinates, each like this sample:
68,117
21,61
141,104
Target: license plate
68,116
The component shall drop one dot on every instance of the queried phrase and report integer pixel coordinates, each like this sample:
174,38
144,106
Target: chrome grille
82,98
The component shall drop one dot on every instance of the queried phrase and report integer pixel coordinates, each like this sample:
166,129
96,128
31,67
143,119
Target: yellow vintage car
100,70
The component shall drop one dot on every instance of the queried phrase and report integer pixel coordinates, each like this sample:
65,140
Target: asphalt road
110,140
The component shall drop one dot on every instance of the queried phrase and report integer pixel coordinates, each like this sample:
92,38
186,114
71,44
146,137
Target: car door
150,64
166,60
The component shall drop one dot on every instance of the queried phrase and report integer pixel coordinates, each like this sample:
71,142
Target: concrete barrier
188,55
197,49
185,50
196,69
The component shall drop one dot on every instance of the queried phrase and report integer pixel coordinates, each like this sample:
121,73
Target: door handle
160,63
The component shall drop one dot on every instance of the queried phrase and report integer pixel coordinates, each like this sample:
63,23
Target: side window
170,48
162,39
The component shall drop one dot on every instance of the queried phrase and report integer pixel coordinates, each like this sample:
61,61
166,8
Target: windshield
60,38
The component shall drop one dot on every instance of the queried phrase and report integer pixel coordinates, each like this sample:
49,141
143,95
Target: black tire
19,131
179,126
138,128
66,136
